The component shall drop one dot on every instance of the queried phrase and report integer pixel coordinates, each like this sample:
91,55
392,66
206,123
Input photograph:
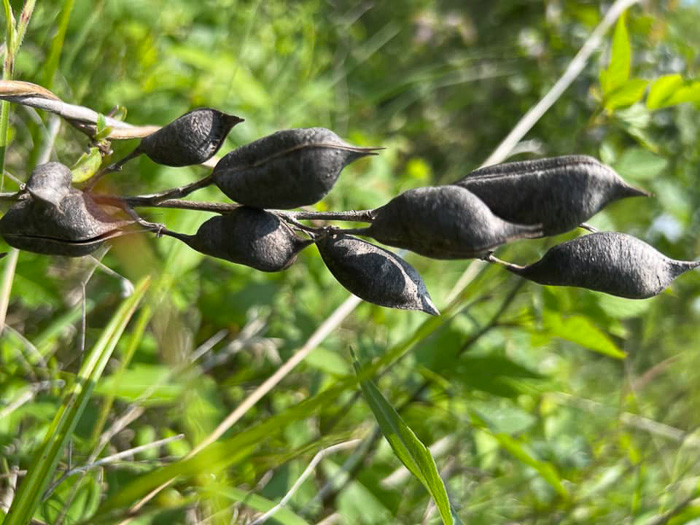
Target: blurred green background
533,415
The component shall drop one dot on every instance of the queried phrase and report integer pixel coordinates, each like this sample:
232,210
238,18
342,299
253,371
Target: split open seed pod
55,219
609,262
560,192
444,222
287,169
247,236
376,275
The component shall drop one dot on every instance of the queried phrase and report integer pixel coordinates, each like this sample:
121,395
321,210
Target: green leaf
580,330
259,503
407,447
87,165
618,71
495,375
41,470
639,164
687,93
131,384
625,95
662,90
543,468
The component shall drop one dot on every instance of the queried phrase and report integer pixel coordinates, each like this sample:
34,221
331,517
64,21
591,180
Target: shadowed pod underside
560,192
609,262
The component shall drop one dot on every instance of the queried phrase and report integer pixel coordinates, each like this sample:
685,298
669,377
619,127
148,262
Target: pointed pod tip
428,307
638,192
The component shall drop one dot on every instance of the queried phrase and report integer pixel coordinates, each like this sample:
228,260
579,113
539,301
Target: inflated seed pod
610,262
190,139
287,169
49,183
374,274
443,222
55,219
248,236
560,192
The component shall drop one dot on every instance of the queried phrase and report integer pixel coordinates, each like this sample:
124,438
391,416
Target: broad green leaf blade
580,330
625,95
87,165
618,71
407,447
662,89
41,471
687,93
637,164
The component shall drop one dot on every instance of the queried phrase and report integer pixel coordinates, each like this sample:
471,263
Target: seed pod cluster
560,193
609,262
193,138
55,219
247,236
444,222
374,274
287,169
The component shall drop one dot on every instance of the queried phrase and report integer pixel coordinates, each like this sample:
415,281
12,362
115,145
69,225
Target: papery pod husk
75,229
55,219
444,222
248,236
375,275
610,262
560,192
287,169
191,139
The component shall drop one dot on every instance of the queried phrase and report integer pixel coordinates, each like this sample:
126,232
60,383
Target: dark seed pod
248,236
49,183
287,169
56,219
190,139
374,274
610,262
444,222
560,193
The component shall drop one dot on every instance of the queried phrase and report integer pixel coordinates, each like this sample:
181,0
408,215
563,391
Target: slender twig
167,199
304,475
110,459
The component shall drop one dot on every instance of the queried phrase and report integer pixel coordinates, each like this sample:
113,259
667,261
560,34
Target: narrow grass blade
41,471
407,447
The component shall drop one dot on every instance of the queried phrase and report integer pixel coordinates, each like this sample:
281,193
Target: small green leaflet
618,71
408,448
87,165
